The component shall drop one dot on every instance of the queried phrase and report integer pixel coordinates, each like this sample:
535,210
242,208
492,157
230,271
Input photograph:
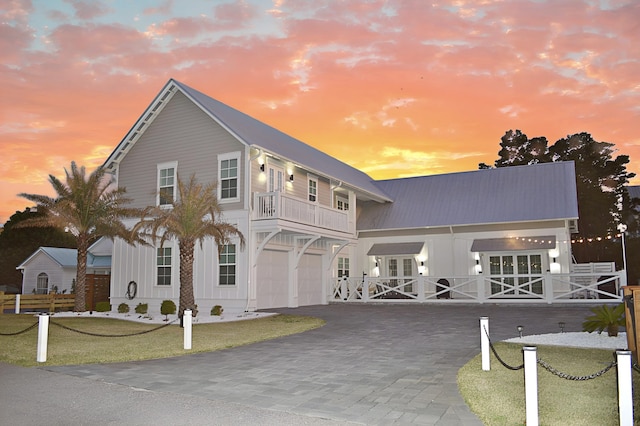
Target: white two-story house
316,228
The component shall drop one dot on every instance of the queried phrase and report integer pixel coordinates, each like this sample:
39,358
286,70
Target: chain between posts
114,335
553,370
22,331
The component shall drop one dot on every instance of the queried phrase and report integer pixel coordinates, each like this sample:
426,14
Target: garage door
272,277
310,280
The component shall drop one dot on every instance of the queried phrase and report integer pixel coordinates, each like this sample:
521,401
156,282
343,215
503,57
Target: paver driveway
370,364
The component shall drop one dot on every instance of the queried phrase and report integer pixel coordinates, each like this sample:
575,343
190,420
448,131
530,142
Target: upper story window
166,183
342,203
313,189
228,172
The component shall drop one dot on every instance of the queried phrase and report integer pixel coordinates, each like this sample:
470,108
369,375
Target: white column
625,391
17,303
187,320
43,337
531,385
484,343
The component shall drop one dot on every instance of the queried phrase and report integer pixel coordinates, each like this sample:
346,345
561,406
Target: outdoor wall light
520,328
561,324
262,167
291,177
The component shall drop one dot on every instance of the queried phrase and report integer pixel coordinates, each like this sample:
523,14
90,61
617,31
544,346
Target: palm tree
88,207
194,216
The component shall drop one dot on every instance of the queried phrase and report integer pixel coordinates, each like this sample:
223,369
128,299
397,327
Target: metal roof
545,191
511,244
68,258
260,135
388,249
634,191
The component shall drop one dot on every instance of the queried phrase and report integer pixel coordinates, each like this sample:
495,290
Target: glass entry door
401,267
516,275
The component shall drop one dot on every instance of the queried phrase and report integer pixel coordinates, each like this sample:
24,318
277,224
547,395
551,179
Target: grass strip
66,347
497,397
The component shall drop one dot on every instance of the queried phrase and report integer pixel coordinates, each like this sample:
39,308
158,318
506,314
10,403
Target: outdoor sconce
520,328
291,178
561,324
376,264
262,167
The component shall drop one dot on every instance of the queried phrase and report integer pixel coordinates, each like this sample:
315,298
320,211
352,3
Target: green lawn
497,396
68,347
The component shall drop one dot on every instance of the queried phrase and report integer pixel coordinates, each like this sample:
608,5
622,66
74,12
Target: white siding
58,276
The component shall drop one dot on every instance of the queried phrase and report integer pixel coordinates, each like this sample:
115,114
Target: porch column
482,295
293,280
548,287
420,288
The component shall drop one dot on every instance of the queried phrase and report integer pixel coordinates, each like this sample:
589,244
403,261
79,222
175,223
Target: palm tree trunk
187,300
81,273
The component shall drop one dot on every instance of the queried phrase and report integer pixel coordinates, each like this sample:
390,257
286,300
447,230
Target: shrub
123,308
142,308
217,310
103,307
167,308
605,317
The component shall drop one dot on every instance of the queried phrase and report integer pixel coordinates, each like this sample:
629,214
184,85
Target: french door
516,274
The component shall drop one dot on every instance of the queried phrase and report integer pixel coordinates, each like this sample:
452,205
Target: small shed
51,269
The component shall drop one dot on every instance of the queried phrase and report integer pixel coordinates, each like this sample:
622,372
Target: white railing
276,205
542,288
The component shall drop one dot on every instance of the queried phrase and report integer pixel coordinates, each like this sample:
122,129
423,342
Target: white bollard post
43,337
531,385
187,328
17,303
484,343
625,392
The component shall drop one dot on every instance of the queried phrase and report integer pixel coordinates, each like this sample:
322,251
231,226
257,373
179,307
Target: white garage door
310,280
272,277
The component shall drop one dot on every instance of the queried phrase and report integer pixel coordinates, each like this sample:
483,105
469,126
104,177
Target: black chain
562,375
114,335
20,332
636,367
504,364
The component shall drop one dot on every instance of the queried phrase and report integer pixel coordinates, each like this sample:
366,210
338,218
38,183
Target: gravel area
575,339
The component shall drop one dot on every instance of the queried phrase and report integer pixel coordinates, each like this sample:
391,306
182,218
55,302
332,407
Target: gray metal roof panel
258,134
544,191
510,244
66,257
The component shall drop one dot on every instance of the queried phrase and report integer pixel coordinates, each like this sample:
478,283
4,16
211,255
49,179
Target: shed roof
537,192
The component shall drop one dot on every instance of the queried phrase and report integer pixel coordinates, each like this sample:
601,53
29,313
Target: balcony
276,205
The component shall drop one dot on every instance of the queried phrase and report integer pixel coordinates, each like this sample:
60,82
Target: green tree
600,179
193,217
88,207
17,244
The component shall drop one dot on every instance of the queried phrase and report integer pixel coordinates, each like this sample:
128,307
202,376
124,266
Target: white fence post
365,289
625,392
484,343
531,385
43,337
343,289
187,318
17,303
420,288
481,292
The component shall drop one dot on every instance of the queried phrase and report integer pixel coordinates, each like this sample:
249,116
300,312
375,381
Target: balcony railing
276,205
542,288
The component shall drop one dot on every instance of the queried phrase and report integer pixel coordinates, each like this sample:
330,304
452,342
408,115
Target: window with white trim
163,263
42,285
343,267
313,189
228,172
227,264
342,203
166,183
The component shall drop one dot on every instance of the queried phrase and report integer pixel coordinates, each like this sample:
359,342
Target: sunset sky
395,88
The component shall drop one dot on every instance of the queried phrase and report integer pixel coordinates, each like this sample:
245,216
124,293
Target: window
313,189
228,171
343,267
166,183
228,265
342,203
516,275
42,285
163,262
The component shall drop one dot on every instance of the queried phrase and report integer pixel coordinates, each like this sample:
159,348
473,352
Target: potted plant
605,317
